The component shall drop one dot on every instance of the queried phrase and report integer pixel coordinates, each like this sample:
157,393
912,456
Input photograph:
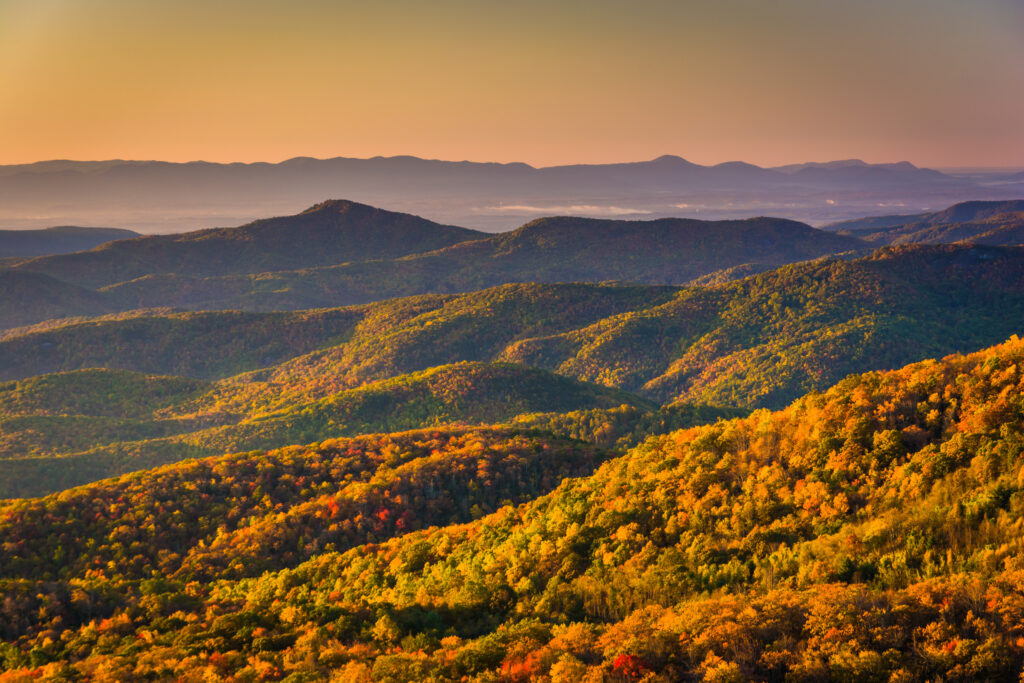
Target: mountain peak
327,233
338,206
671,160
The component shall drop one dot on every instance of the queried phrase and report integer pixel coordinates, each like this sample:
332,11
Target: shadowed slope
205,345
27,298
57,240
959,222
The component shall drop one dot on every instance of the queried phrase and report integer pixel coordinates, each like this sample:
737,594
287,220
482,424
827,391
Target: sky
936,82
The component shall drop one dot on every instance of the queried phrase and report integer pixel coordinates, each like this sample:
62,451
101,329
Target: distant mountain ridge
343,253
176,196
669,168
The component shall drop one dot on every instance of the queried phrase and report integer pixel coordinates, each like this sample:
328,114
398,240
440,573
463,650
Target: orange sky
937,82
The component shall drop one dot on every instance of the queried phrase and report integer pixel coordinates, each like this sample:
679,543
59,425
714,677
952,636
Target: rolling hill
870,531
340,253
758,341
755,342
248,489
1001,229
667,251
765,339
991,222
214,345
328,233
202,345
97,393
27,298
120,421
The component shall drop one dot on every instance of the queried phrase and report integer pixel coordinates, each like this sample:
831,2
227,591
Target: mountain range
358,445
341,252
344,253
173,197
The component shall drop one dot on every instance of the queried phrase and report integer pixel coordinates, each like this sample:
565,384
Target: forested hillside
120,421
1006,228
438,419
763,340
758,341
869,532
27,298
963,212
202,345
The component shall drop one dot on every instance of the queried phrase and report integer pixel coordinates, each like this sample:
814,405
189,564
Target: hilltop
328,233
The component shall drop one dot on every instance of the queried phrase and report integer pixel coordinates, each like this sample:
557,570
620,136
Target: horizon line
667,156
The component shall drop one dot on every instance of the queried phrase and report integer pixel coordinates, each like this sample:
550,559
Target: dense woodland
805,472
868,532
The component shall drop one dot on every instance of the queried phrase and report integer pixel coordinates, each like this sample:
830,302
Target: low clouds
573,209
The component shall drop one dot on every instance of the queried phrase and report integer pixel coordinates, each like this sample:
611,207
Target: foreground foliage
868,533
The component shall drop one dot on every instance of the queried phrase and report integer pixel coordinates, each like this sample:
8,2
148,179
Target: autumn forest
357,445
